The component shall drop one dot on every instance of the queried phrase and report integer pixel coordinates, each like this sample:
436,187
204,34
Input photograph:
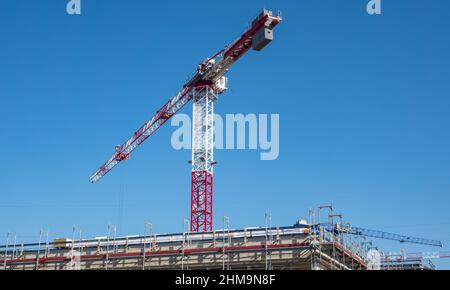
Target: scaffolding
302,246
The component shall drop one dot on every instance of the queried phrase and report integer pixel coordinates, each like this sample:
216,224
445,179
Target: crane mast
204,88
202,159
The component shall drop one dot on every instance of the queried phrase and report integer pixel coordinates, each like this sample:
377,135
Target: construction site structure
306,245
411,261
286,248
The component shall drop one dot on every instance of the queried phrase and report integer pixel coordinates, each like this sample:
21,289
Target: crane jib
166,112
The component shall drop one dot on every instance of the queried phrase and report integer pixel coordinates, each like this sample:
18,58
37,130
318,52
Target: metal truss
202,159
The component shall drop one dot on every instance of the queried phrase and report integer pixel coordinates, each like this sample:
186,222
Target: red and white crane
203,89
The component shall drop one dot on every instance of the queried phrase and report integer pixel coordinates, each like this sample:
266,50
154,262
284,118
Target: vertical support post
107,247
80,243
154,243
75,256
268,217
270,240
202,159
114,245
39,250
223,243
22,249
225,240
311,217
14,247
73,243
6,250
47,247
186,242
265,242
146,226
143,246
229,242
114,240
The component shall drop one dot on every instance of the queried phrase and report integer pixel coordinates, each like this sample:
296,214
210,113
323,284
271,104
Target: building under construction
312,245
290,248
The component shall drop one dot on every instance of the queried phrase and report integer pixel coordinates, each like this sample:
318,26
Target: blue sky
363,101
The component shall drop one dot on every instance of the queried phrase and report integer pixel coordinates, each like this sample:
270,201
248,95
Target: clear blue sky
364,104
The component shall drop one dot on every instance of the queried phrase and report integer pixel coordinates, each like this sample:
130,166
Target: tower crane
363,232
393,237
203,89
347,228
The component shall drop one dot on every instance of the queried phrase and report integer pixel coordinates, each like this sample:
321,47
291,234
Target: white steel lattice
203,129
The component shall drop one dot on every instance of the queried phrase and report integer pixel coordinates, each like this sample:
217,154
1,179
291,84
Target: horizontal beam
186,252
